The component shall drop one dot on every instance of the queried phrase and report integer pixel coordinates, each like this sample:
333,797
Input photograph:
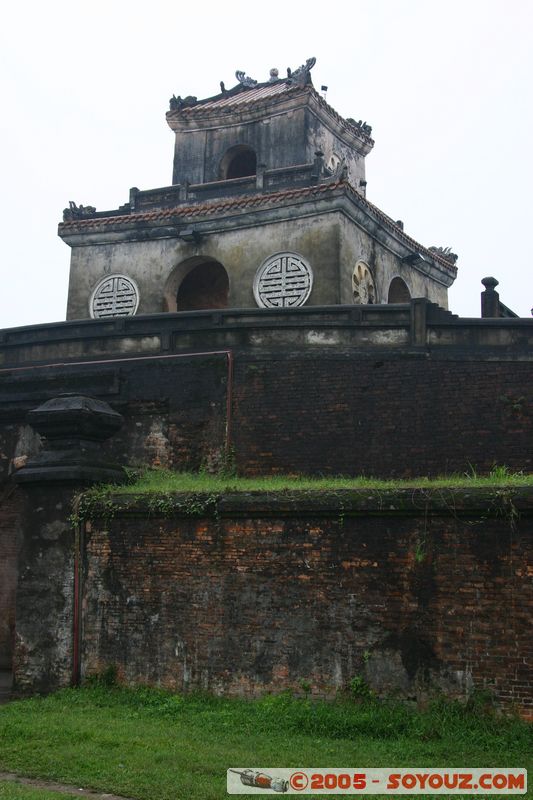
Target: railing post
419,321
490,299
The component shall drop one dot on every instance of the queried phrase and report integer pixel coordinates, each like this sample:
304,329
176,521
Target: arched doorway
238,162
205,286
195,284
398,291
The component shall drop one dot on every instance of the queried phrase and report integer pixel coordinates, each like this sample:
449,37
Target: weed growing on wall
166,493
359,688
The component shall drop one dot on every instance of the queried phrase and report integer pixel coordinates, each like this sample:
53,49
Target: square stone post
490,299
48,590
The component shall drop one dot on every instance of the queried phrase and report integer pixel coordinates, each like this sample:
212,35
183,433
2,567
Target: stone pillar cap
489,283
73,427
75,415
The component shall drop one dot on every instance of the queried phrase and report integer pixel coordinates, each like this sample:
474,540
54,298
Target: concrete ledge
494,502
419,326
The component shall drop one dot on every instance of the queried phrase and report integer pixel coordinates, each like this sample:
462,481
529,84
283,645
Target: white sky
446,85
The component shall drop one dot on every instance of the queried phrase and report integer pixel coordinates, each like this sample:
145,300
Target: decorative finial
489,283
363,127
177,103
74,212
445,253
301,75
244,79
222,87
274,74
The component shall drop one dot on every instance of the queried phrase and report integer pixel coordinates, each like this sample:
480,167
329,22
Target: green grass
152,745
16,791
163,481
197,494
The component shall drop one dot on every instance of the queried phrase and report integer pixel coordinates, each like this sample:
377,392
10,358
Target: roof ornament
244,79
363,126
445,253
77,212
301,75
177,103
274,74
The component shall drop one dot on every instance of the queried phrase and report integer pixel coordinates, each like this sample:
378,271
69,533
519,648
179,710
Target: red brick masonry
410,591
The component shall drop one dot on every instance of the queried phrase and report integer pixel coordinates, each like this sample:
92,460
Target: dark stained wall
410,600
382,416
281,143
378,390
10,540
386,415
174,410
43,647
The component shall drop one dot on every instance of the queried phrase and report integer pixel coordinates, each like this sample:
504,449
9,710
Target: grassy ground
152,745
161,481
13,791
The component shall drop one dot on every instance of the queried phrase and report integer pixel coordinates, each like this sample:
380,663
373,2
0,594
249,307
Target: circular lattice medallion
114,296
363,287
284,280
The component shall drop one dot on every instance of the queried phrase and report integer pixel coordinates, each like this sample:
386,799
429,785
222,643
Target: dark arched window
196,283
238,162
205,286
398,291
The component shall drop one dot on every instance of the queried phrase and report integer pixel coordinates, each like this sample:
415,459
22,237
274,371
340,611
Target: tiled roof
247,96
180,214
389,222
362,135
241,98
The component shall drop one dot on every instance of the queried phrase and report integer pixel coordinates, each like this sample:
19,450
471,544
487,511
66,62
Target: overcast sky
445,85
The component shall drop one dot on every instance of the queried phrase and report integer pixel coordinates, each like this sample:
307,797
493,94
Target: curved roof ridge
246,201
237,97
241,96
399,231
194,209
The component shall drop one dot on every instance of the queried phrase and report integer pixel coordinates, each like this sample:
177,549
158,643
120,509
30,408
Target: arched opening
238,162
206,286
195,284
398,291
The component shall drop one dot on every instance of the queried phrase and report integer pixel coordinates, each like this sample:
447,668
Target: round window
284,280
114,296
363,287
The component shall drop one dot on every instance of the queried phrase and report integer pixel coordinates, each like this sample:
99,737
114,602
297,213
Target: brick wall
174,410
390,414
394,416
10,535
258,600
